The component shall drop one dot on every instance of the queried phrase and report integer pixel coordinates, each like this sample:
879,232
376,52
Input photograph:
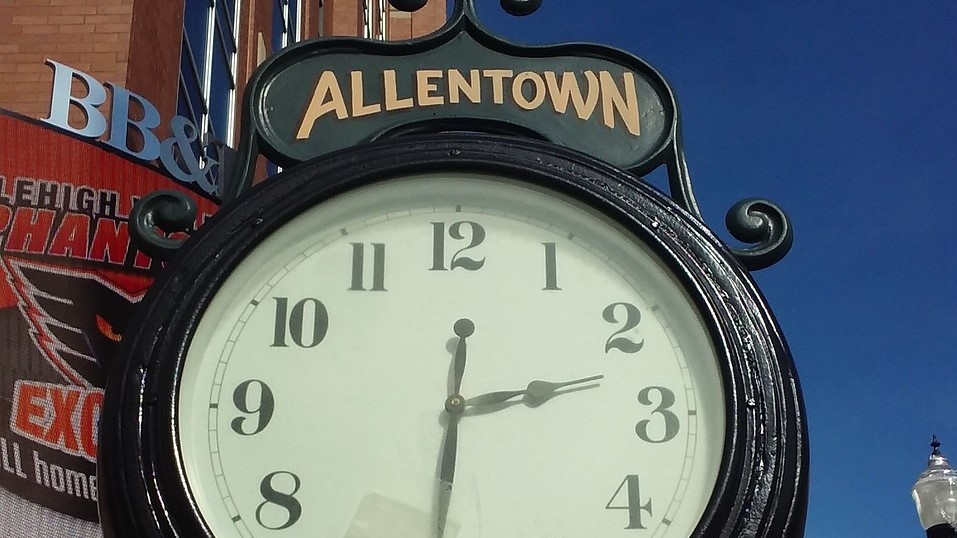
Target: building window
374,16
207,79
285,23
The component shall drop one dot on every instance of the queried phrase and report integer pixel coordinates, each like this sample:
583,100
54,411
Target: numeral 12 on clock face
463,230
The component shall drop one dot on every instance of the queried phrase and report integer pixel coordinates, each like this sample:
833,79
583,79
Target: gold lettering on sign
527,90
328,85
626,106
358,108
425,87
569,89
472,88
392,101
518,94
498,77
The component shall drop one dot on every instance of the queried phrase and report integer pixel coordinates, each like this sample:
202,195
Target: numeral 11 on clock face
551,271
358,266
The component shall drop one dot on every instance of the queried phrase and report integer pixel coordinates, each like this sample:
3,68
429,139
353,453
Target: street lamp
935,494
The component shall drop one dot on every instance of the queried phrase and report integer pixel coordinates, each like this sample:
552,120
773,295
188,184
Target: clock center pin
455,404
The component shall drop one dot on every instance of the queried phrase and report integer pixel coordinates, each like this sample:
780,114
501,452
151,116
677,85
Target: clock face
313,396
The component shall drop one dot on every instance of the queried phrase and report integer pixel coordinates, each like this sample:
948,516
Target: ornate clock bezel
762,485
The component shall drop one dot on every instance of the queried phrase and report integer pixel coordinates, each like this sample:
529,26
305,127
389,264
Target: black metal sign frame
300,87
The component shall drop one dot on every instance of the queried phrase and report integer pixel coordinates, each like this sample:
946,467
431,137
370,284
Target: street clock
453,325
488,335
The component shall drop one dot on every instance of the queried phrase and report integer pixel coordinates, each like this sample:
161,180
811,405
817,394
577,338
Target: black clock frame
762,485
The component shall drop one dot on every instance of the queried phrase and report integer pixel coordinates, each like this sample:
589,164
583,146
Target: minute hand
537,390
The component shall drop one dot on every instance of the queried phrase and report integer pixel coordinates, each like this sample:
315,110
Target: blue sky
845,114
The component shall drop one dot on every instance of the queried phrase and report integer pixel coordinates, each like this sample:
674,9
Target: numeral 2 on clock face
632,318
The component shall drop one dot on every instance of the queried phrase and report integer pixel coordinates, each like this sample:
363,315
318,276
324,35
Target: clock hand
536,390
454,406
447,470
463,329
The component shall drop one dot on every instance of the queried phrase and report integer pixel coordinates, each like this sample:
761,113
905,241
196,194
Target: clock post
462,296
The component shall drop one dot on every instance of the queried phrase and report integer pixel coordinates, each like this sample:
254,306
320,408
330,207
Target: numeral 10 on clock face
292,322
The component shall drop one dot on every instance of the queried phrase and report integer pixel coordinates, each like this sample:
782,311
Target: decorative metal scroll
158,215
324,95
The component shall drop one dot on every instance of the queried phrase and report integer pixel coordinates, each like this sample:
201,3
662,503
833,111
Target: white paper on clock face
312,400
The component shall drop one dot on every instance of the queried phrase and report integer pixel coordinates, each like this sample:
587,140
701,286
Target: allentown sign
325,95
528,90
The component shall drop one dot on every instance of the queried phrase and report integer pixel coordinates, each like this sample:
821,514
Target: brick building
187,57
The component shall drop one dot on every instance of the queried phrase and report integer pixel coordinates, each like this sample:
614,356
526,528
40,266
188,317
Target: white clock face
313,395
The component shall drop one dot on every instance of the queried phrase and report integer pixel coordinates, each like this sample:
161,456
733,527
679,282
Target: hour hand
536,390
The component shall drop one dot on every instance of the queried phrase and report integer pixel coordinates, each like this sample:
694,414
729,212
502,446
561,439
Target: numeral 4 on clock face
628,497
